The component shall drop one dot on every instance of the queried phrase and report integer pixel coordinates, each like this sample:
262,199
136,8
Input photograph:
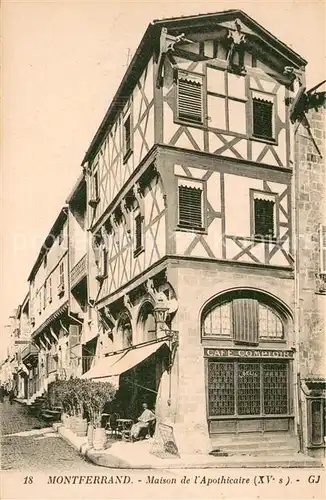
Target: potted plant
96,395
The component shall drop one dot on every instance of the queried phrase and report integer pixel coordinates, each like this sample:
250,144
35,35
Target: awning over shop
115,365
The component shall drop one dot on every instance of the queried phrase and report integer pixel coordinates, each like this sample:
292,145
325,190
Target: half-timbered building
189,212
189,189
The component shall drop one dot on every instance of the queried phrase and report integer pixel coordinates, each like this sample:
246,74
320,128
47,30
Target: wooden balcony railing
78,272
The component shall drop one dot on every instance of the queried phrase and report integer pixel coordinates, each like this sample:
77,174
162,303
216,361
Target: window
138,233
60,237
218,322
226,101
61,285
50,289
322,249
61,273
127,143
270,325
248,388
102,262
190,199
262,115
245,321
44,295
190,97
264,215
45,260
94,190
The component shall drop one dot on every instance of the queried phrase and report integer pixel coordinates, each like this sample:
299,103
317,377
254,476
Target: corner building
189,203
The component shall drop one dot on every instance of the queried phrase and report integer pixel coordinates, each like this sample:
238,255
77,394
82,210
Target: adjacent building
177,268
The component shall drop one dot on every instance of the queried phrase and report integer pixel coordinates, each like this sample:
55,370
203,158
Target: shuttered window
127,146
262,118
190,97
322,235
191,206
264,215
245,320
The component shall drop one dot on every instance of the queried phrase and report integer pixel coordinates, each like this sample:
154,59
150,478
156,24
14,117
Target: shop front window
247,388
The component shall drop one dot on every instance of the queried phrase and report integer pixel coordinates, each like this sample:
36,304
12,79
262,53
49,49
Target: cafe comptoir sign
248,353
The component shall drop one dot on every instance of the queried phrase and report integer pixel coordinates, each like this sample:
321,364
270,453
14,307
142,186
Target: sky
61,65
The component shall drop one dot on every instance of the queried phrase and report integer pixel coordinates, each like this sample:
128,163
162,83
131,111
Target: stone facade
310,186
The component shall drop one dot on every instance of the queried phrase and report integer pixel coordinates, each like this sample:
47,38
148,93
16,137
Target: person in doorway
141,428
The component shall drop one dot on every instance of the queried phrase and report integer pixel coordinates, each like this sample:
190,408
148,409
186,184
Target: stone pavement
137,456
28,444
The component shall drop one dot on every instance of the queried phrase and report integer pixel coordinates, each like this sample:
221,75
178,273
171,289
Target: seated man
144,421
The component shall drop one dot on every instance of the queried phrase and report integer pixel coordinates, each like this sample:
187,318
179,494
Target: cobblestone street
41,450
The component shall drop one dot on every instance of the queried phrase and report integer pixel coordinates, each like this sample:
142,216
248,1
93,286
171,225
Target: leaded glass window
221,388
248,389
275,383
218,322
270,325
243,320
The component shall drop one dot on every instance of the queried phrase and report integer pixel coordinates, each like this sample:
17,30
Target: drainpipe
296,249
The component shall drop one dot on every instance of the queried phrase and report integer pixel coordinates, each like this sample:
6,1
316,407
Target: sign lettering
247,353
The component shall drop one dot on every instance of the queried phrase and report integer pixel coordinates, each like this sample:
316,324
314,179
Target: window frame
253,236
182,182
251,135
127,116
184,121
137,215
226,97
231,337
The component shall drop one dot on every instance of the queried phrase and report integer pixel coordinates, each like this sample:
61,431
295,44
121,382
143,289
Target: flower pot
81,427
99,438
90,432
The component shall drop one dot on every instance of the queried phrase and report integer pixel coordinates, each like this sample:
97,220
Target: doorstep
137,456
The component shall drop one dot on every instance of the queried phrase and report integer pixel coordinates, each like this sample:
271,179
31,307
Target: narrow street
37,447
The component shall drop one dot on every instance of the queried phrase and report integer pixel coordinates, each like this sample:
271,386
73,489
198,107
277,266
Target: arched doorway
245,335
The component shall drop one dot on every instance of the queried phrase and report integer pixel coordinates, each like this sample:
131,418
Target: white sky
61,65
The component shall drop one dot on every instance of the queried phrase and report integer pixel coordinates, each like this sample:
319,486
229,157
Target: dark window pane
221,388
275,381
317,433
264,218
262,118
127,136
248,389
138,230
190,207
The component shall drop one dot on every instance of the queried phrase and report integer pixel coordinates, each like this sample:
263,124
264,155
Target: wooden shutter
190,97
245,320
262,118
190,207
322,235
264,218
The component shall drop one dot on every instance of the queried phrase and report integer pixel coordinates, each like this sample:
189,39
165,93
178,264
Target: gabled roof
177,25
49,240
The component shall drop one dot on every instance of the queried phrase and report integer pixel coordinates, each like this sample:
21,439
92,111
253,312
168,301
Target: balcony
29,354
78,272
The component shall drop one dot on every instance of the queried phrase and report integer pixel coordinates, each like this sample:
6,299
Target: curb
106,459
